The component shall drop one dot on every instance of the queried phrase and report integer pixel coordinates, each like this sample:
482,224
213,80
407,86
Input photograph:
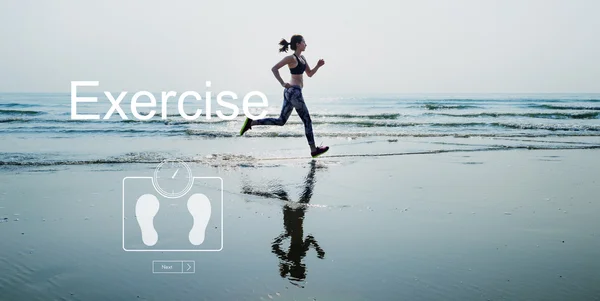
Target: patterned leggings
292,99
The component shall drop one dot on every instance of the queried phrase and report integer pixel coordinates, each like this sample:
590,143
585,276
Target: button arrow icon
188,266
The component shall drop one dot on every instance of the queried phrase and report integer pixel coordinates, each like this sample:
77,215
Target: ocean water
421,197
37,128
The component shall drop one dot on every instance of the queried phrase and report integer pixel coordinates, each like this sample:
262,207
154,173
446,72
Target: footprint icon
200,209
146,209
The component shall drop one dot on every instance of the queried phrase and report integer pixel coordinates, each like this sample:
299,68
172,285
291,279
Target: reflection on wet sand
290,260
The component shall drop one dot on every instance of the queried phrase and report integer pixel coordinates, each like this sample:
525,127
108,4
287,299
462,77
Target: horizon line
332,93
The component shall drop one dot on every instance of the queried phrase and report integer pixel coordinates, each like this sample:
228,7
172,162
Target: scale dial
172,178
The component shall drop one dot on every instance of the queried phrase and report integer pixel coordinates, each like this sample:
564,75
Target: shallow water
419,197
436,227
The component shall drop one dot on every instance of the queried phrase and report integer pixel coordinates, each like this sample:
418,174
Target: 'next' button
173,267
167,266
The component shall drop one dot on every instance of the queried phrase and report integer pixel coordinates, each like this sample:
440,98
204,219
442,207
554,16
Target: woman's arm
286,60
311,72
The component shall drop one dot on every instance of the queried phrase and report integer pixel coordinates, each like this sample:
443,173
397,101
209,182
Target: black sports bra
299,69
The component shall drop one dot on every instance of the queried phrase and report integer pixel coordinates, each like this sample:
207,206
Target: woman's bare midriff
297,80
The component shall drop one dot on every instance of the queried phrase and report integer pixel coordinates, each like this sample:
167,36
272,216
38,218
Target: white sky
420,46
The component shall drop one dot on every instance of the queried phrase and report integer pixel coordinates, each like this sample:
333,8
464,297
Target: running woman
292,94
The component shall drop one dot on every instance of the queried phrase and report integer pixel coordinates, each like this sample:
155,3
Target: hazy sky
368,46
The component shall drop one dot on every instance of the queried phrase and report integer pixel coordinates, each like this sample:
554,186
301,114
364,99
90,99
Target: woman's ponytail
284,45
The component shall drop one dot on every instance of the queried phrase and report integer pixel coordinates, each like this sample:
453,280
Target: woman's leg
297,101
286,111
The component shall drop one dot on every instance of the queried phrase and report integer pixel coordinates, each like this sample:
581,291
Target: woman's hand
287,85
320,63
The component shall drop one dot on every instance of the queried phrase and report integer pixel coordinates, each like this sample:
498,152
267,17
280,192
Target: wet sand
493,225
